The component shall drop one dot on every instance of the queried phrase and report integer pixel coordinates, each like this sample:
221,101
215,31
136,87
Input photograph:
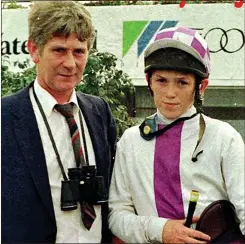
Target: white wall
221,24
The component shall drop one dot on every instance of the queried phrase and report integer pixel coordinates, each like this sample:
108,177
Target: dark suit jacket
27,208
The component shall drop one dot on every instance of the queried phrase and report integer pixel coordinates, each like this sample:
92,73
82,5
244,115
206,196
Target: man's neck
60,97
164,120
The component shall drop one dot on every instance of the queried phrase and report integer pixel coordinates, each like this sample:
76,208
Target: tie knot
65,109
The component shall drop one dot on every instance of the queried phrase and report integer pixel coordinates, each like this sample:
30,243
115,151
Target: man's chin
172,115
63,85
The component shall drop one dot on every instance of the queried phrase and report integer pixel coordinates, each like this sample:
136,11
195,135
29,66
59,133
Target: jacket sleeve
123,219
112,136
233,169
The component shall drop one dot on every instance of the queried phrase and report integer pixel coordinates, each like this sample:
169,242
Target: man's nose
69,61
170,90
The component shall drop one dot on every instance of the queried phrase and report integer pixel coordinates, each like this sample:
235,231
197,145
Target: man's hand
174,231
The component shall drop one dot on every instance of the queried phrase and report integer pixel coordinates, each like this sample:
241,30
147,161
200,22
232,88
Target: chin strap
202,127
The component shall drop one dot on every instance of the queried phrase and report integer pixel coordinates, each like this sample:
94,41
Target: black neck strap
148,135
151,135
86,163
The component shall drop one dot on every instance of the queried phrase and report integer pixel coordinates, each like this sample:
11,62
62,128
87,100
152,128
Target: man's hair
50,18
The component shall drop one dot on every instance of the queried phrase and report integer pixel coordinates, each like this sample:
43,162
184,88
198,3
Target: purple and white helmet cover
183,38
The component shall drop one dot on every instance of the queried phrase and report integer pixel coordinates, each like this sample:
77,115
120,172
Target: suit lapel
29,139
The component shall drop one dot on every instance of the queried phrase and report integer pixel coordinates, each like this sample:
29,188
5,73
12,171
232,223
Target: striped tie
88,212
67,111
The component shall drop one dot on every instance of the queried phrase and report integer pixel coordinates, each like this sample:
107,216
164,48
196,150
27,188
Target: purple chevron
198,46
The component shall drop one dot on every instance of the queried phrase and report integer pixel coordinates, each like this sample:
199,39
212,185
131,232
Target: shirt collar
48,101
162,119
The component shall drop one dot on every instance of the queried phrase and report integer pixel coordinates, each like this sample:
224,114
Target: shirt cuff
155,229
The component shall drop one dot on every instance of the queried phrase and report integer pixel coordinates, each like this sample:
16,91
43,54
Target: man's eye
59,50
79,51
183,82
162,80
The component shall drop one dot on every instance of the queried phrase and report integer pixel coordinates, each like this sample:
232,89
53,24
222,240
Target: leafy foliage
104,79
101,78
146,2
12,4
12,82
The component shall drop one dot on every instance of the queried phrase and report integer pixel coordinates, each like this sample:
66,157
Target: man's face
173,92
60,64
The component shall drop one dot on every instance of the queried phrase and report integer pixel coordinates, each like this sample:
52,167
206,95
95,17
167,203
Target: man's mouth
170,104
66,75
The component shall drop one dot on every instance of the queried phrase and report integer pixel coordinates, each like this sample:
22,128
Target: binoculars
83,185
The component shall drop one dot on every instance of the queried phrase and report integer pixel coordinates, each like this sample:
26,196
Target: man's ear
147,79
33,50
203,85
146,76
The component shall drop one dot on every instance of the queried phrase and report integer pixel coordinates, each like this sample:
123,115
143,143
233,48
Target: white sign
126,31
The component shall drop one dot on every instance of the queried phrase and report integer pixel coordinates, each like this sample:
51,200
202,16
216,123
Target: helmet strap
149,75
198,99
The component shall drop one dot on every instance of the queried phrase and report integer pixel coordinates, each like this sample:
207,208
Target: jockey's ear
146,76
203,85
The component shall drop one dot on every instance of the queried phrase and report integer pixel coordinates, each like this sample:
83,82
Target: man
42,144
176,150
